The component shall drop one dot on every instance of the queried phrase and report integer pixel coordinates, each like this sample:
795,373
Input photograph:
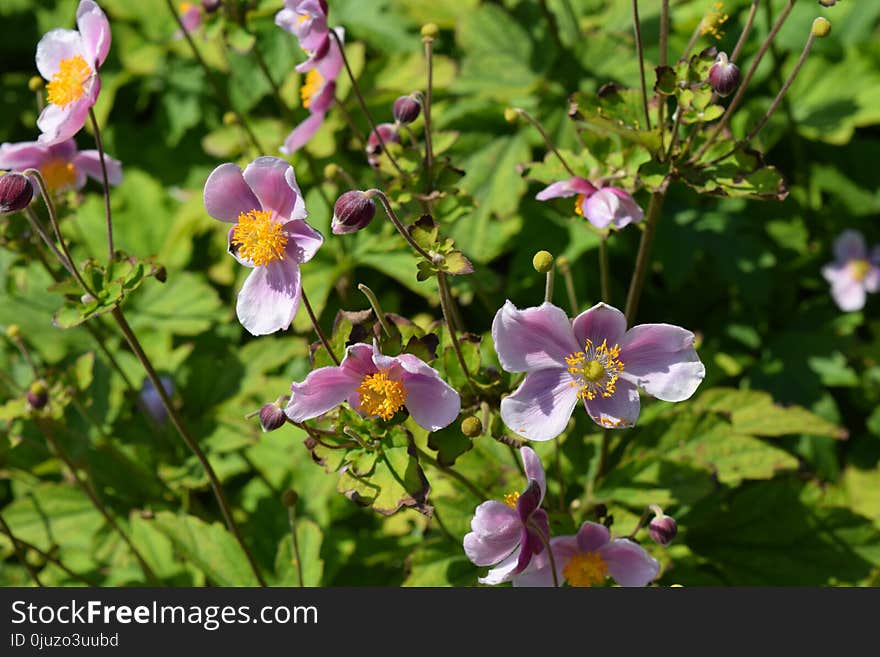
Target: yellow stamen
585,569
58,174
303,18
314,82
859,269
68,84
259,237
578,204
595,370
510,499
713,21
185,7
381,396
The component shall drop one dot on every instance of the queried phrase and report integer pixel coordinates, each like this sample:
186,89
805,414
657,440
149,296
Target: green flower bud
471,426
511,115
35,83
542,262
37,395
230,118
331,171
821,27
430,30
13,332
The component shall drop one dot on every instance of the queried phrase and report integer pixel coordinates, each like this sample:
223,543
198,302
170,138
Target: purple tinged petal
266,176
612,206
323,390
592,536
496,533
850,245
539,572
359,360
95,30
60,123
532,539
324,99
628,563
269,298
90,163
534,469
302,133
23,155
503,572
191,18
533,338
566,188
542,405
849,294
330,64
529,501
619,411
227,195
431,402
56,46
601,322
872,279
303,241
661,359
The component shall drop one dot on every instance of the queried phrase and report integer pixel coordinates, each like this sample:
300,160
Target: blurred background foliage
764,494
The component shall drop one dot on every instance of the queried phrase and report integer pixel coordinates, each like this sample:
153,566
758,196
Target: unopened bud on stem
406,109
430,30
542,262
662,528
821,27
16,192
471,426
724,75
353,211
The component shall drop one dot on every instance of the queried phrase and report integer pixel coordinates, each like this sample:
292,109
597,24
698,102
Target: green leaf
614,111
308,538
432,564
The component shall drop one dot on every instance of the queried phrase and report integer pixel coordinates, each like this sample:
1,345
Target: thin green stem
190,442
317,326
291,519
565,270
392,216
104,179
547,140
643,259
637,28
548,285
475,490
652,508
545,541
750,19
429,90
604,269
664,31
377,308
47,557
16,545
38,228
445,296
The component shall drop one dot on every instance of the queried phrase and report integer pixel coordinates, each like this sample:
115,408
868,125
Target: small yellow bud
230,118
562,262
430,30
331,171
821,27
511,115
471,426
35,83
13,332
542,262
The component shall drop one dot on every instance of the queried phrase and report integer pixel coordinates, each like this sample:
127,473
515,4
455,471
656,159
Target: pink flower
307,20
593,359
854,271
608,206
509,534
61,165
190,16
318,91
589,557
385,133
376,386
69,60
269,235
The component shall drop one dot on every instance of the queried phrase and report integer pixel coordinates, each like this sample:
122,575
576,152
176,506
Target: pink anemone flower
594,359
61,165
589,557
509,534
377,386
318,92
306,20
190,16
854,272
69,60
269,235
602,207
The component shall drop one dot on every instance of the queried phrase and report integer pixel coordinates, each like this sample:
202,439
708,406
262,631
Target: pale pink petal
539,573
503,572
534,469
227,195
431,402
59,123
90,163
299,207
269,298
266,176
591,536
496,533
95,30
331,63
302,133
611,206
542,405
837,273
63,150
56,46
532,338
566,188
303,240
323,390
850,245
359,360
191,18
23,155
628,563
872,279
599,323
661,359
619,411
323,100
849,294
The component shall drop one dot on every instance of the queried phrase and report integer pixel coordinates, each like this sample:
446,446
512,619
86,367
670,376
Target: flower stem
651,508
20,555
377,309
548,285
362,102
20,543
638,32
100,146
386,204
445,296
547,139
291,519
604,270
38,228
545,541
477,492
602,468
316,326
193,446
664,31
643,258
429,148
750,19
565,270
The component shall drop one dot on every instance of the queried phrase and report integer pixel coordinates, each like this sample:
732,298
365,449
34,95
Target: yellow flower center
259,237
314,82
578,204
381,396
713,21
185,7
58,173
595,370
585,569
303,18
859,269
510,499
68,84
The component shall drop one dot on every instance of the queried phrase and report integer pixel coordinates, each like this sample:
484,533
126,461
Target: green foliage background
765,492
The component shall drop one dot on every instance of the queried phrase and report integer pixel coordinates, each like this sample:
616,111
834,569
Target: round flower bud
16,192
471,426
406,109
13,332
430,30
331,171
662,529
35,83
38,395
511,115
821,27
353,211
724,75
542,262
827,3
289,497
230,118
271,417
210,6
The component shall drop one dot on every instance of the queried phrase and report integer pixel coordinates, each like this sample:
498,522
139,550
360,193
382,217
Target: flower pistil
595,370
314,82
259,237
68,84
585,569
380,395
